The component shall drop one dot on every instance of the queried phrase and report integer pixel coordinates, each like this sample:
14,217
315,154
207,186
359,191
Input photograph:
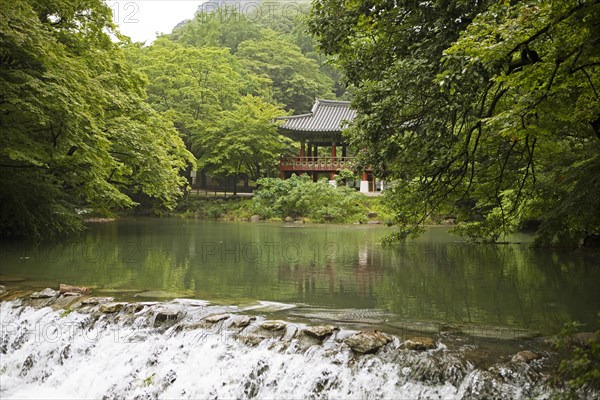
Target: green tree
75,132
190,85
297,80
243,140
270,41
223,27
488,110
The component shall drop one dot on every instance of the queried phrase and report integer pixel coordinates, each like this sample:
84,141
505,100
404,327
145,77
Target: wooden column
344,150
302,148
333,150
309,150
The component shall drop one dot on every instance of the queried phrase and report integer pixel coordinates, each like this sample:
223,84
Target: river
436,278
481,303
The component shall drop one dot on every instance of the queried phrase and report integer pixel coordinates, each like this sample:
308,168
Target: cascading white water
46,353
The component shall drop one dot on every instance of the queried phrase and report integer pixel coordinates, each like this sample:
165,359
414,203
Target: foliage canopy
75,130
488,110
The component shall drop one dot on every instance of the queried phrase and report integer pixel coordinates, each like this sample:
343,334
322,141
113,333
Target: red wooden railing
316,163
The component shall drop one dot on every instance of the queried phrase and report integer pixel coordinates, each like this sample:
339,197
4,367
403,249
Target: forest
484,110
92,122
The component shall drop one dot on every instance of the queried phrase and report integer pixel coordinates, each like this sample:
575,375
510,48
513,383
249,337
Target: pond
326,268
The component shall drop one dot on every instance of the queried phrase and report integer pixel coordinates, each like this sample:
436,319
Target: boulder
289,219
2,290
168,316
526,356
72,294
213,319
111,307
92,301
299,221
64,289
244,219
44,294
273,325
367,342
255,218
320,332
583,339
372,214
135,308
252,339
420,343
242,321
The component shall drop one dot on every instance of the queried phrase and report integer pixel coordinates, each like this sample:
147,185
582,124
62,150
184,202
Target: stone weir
69,344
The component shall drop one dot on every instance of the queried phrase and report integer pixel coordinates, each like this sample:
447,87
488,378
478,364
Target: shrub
299,196
580,371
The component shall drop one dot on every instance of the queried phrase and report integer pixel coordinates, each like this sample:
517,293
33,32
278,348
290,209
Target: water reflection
434,278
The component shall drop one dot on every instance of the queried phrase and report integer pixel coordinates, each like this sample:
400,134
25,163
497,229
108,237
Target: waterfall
170,350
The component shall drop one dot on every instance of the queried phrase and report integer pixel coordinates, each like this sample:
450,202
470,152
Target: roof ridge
327,101
325,116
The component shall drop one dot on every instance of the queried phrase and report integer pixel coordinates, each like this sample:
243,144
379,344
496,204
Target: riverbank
194,349
240,208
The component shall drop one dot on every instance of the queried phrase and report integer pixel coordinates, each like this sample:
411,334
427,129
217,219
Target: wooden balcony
315,164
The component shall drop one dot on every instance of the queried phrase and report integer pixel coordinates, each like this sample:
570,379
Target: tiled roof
325,116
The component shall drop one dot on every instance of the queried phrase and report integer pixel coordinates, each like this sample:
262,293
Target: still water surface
436,278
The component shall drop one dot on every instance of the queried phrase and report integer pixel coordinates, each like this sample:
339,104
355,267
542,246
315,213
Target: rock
374,222
168,316
243,321
2,290
525,356
273,325
255,218
583,339
480,358
449,221
252,339
372,214
299,221
71,294
320,331
289,219
420,343
111,307
135,308
92,301
15,294
64,289
213,319
44,294
367,342
244,219
67,303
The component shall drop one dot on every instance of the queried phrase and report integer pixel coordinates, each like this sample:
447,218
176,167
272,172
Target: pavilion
320,135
